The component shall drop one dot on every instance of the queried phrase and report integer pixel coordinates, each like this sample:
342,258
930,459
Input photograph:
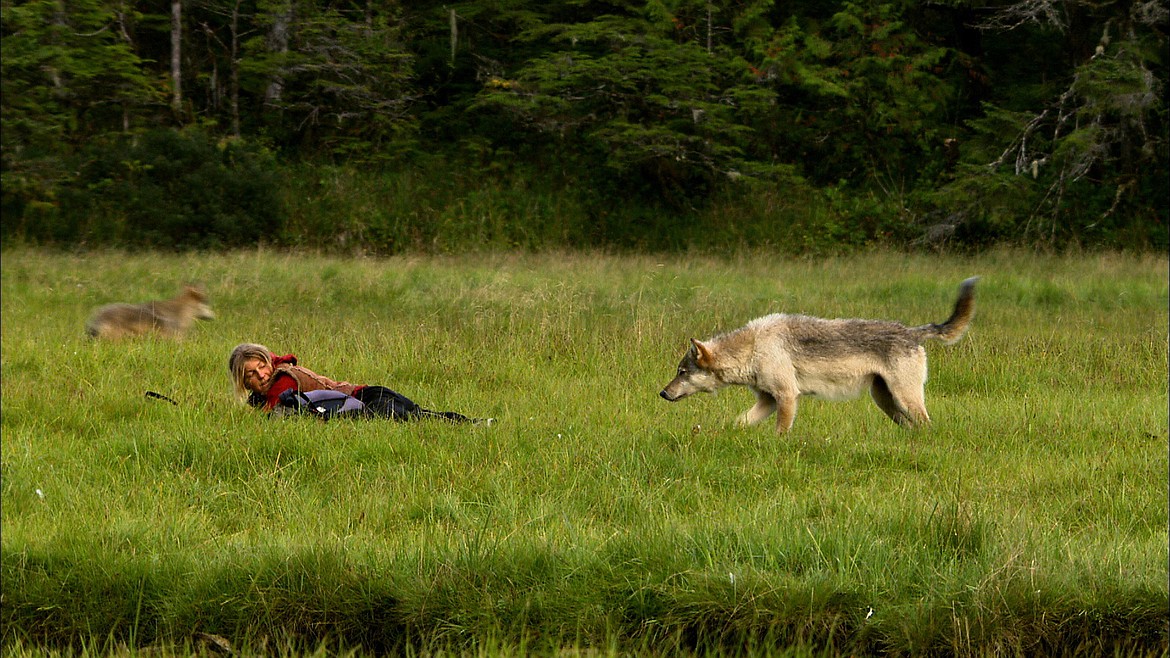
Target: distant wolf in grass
169,317
781,357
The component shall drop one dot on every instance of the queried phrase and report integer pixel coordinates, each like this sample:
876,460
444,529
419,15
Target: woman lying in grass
265,379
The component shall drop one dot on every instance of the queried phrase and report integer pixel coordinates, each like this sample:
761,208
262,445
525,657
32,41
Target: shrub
166,188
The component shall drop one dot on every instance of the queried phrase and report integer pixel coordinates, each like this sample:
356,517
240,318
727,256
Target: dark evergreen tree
1080,154
67,72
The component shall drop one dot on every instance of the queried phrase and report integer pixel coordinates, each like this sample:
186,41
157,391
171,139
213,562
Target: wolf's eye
682,371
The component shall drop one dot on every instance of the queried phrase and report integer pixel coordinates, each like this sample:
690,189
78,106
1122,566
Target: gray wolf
169,317
781,357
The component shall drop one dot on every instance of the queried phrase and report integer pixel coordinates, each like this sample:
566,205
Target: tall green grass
444,210
594,517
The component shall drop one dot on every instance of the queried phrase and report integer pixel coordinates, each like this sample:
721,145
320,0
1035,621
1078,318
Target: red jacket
288,375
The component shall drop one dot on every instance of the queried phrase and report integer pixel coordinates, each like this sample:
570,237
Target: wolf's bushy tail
955,326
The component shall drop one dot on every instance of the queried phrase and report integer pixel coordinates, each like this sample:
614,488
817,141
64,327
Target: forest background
385,127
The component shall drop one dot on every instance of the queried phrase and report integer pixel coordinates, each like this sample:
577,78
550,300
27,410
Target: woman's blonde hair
240,355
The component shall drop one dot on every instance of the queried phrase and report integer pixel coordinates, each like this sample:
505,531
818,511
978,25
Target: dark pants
386,403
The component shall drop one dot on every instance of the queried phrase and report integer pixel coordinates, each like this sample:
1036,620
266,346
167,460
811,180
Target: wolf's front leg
785,412
764,406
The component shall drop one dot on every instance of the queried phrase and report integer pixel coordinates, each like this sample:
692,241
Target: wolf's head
195,300
695,374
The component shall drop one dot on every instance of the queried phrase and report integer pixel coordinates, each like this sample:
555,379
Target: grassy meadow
593,518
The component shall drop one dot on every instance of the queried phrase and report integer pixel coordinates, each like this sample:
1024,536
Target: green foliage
65,73
894,112
343,84
1086,166
65,76
863,95
652,113
166,189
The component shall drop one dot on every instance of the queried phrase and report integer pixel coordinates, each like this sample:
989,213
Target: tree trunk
454,36
278,42
235,70
176,56
710,18
125,34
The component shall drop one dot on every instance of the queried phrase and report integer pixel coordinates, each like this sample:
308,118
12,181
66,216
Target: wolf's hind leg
764,406
904,406
915,407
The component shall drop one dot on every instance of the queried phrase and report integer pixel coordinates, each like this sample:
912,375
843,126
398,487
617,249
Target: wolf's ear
702,354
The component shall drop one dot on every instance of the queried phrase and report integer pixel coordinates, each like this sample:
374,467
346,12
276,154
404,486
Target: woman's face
257,375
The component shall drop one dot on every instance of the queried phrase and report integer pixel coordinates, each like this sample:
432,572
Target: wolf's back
114,320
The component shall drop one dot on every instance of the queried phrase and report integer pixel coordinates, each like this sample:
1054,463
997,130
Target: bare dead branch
1045,13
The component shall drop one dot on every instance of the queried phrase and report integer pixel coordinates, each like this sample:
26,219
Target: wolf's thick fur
781,357
170,317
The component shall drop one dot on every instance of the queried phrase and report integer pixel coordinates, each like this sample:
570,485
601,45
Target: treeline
388,126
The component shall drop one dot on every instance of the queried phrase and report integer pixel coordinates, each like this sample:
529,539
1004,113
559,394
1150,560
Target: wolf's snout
666,396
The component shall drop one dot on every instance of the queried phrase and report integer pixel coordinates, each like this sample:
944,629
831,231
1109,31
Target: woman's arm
281,382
